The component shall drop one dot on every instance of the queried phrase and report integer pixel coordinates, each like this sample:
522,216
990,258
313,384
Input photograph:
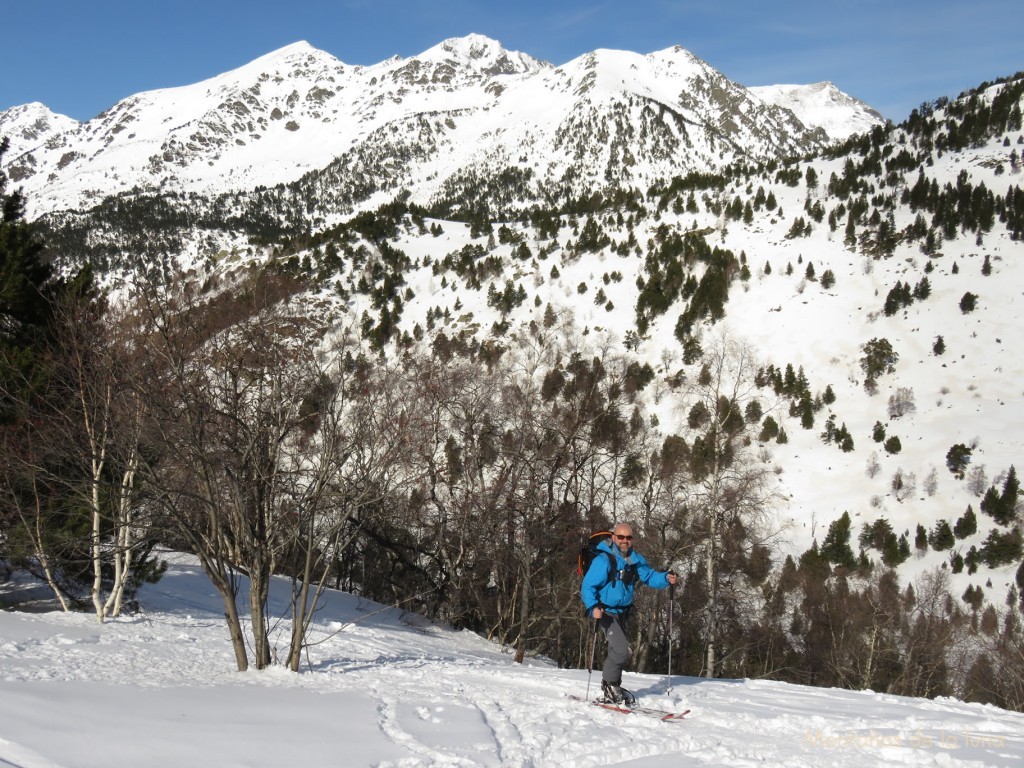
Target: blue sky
80,57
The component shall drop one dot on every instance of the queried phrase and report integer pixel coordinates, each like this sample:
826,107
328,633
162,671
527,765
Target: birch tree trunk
711,574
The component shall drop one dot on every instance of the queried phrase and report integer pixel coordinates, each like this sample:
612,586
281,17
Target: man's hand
598,612
672,578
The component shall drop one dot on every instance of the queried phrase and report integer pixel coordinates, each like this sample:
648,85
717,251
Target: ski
659,714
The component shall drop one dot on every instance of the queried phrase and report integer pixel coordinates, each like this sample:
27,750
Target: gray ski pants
614,628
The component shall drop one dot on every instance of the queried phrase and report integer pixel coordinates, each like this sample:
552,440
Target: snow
823,105
971,394
297,109
382,687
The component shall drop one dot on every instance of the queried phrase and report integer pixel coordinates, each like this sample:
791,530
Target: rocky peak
606,117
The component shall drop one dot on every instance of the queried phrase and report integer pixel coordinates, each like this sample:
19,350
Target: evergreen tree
1002,507
957,459
967,524
27,289
921,538
990,502
811,177
769,429
836,546
879,358
942,536
1009,496
1001,549
828,396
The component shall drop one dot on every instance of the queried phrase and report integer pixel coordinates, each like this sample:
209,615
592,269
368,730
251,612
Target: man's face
623,538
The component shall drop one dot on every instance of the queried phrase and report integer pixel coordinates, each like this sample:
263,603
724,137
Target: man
607,593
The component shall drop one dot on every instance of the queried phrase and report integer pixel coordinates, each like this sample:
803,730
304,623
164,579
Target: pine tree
957,459
942,536
836,547
27,288
968,302
1004,510
967,525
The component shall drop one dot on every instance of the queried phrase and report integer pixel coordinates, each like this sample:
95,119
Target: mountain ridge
295,110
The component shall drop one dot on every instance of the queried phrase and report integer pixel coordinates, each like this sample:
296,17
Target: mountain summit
464,108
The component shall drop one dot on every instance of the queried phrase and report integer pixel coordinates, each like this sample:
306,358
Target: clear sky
79,57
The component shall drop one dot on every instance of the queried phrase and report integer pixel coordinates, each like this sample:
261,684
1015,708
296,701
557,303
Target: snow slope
970,395
386,688
823,105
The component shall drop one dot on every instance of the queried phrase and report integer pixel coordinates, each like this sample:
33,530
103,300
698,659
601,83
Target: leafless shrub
901,402
873,466
904,484
977,480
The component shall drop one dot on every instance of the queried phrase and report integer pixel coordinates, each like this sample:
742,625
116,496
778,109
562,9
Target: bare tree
78,450
733,491
977,480
516,446
456,500
904,484
227,379
873,466
361,427
94,348
901,402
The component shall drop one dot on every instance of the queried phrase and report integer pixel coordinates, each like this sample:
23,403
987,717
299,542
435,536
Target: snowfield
383,687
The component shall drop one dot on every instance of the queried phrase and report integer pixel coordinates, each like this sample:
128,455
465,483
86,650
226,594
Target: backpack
589,551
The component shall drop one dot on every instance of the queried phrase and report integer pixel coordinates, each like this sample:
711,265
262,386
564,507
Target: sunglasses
623,538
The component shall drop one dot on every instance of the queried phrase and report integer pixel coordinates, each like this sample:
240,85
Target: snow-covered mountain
822,105
466,107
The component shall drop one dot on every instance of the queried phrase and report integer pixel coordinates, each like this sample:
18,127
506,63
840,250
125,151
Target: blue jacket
616,595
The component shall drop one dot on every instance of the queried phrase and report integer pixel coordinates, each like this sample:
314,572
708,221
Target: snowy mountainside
961,397
390,688
464,107
969,394
33,125
823,105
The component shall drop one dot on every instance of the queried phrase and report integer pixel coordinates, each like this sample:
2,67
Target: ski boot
616,694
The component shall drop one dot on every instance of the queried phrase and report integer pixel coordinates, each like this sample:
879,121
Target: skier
607,593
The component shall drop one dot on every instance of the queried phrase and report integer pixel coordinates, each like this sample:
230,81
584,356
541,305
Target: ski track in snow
402,693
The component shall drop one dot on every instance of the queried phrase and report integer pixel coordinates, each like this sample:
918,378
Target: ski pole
671,604
590,660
